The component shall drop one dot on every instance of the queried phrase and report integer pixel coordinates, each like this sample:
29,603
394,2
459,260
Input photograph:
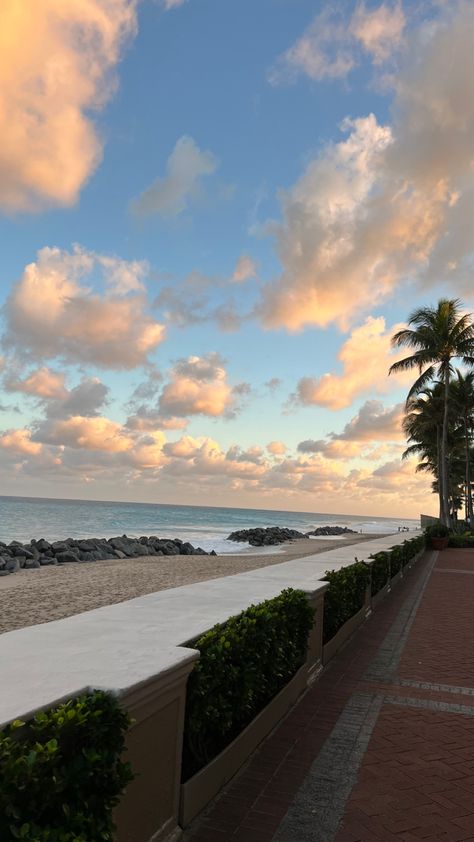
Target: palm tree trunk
440,471
445,518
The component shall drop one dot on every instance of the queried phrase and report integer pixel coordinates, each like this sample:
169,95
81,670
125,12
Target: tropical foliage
440,404
62,773
243,664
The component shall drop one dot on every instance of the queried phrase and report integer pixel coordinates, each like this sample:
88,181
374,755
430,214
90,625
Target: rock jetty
262,537
15,556
331,530
267,536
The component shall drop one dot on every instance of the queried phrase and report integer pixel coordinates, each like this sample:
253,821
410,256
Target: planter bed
350,626
198,791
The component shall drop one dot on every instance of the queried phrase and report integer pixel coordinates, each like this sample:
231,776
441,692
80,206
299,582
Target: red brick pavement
253,805
416,780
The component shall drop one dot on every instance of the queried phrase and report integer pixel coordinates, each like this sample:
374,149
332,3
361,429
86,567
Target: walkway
382,747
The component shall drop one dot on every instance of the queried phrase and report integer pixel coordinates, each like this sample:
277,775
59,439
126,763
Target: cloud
42,383
374,422
56,65
366,357
322,52
277,448
330,46
389,205
186,167
330,449
84,432
87,398
173,4
273,384
245,269
198,386
52,311
379,30
19,441
328,275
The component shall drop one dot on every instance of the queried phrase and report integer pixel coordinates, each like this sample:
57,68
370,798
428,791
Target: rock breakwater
331,530
265,536
271,535
16,556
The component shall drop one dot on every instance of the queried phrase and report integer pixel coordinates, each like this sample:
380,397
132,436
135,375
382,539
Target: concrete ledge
345,632
380,595
204,785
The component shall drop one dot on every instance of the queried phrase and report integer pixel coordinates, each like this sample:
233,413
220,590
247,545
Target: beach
53,592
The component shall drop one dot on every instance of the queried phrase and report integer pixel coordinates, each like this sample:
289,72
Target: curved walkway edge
382,746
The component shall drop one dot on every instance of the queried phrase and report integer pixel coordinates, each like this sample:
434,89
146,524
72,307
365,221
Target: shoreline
31,597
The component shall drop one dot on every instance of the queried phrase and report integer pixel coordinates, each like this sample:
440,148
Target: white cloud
52,311
379,29
322,52
330,46
56,61
198,386
327,272
366,357
374,422
42,383
186,167
390,205
277,448
19,441
330,449
245,270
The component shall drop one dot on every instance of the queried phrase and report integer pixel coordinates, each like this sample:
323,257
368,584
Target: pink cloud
53,312
43,383
366,357
56,61
19,441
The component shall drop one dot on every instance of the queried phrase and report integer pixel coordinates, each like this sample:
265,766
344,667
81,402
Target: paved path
382,747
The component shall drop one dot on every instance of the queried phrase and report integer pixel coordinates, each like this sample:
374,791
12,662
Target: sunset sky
213,216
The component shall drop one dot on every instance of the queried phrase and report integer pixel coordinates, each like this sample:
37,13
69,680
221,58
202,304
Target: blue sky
224,206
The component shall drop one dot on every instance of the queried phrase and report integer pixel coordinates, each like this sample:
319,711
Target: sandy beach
50,593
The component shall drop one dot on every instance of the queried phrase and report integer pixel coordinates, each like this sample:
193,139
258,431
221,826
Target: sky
213,217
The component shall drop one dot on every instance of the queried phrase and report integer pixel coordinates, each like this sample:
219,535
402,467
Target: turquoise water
23,518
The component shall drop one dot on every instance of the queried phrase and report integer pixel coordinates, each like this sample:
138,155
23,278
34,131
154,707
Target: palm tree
437,335
422,426
463,399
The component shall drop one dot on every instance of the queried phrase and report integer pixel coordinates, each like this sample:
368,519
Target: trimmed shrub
61,774
344,597
380,571
464,541
396,560
243,665
412,547
437,530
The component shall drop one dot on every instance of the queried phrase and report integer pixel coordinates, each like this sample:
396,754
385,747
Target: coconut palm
462,390
422,426
437,335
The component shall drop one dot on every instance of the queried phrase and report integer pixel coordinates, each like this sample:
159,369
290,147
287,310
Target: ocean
24,518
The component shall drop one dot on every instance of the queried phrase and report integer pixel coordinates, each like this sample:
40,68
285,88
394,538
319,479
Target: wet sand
53,592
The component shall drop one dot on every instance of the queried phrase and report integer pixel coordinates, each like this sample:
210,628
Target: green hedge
61,774
380,571
464,541
389,563
243,665
412,547
344,597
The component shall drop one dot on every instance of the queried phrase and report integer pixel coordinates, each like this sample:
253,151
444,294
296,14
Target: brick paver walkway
382,746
